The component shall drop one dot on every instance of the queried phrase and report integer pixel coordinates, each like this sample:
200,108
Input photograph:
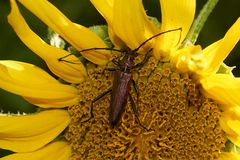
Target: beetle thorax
128,61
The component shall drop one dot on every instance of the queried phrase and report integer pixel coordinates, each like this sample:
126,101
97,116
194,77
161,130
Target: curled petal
35,84
175,14
216,53
26,133
74,73
78,36
188,59
130,22
57,150
223,88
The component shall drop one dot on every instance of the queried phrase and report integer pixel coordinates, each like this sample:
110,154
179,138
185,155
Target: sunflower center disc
182,123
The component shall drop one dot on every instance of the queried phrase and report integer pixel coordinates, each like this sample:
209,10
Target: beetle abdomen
120,89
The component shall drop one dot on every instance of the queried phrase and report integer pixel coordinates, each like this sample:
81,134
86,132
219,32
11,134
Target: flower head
187,107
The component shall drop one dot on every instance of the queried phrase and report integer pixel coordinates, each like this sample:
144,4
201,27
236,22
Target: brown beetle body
120,91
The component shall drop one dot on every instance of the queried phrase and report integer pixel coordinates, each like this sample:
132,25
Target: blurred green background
82,12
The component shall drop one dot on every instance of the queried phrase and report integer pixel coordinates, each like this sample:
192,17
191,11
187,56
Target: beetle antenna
84,50
121,51
136,49
110,49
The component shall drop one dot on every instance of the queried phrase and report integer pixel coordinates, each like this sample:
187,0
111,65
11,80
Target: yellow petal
31,82
47,103
229,156
74,73
28,133
230,122
105,8
234,124
230,126
216,53
130,22
118,43
57,150
223,88
78,36
175,14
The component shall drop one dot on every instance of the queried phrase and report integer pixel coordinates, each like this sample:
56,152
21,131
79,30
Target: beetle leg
133,105
110,69
114,61
62,59
135,86
147,56
135,110
95,100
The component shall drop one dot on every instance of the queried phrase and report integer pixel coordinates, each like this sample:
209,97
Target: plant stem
200,21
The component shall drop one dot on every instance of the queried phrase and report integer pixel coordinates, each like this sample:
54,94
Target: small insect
122,80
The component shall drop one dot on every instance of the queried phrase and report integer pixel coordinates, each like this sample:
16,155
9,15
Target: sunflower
188,101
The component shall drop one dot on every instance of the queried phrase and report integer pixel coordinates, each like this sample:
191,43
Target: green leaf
102,32
230,147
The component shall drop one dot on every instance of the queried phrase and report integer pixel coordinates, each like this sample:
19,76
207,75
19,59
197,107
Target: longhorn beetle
122,80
